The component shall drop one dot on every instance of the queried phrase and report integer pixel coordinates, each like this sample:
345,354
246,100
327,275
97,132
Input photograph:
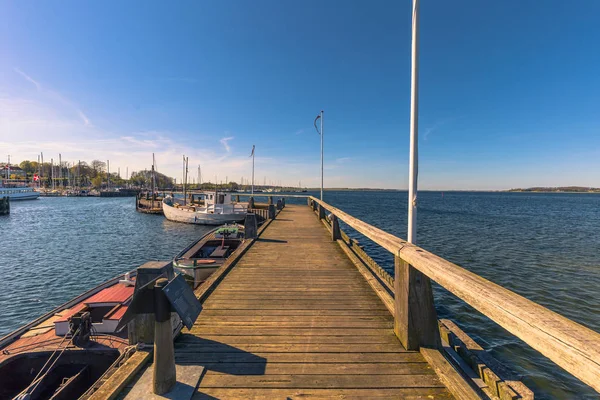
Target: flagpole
414,127
321,155
252,170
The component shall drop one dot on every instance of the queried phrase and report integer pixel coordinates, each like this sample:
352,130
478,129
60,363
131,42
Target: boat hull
194,217
25,195
196,274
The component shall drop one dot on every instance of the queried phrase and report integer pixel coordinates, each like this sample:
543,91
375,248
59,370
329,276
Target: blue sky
509,90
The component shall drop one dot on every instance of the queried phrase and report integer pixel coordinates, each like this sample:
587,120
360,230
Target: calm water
545,247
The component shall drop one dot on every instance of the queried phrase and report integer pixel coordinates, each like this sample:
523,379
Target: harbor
281,200
446,304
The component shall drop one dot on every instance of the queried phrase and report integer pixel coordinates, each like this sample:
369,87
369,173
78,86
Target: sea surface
545,247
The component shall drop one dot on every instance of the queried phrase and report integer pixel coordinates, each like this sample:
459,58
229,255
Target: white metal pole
321,155
414,128
253,170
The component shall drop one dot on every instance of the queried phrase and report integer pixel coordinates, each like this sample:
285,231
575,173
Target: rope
40,377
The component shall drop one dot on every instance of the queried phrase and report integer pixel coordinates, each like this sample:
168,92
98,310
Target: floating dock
302,311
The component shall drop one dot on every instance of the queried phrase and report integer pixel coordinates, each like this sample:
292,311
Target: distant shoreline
519,190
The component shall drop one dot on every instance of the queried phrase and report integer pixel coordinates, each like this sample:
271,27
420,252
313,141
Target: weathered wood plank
299,339
324,394
216,347
321,382
257,357
279,331
301,368
113,386
455,383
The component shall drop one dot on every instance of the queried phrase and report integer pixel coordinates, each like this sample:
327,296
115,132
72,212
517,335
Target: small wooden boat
201,258
64,353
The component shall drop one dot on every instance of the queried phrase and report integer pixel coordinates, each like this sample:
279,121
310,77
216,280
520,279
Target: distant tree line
84,174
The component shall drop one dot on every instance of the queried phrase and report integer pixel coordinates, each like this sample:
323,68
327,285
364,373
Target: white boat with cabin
19,193
213,209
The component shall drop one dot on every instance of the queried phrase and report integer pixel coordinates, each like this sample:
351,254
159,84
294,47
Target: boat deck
294,317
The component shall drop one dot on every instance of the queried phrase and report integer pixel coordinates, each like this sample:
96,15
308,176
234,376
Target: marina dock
302,311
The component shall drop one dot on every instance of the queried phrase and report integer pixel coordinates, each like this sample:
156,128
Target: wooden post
237,198
164,374
335,228
4,206
308,201
279,205
283,202
415,319
250,226
270,200
321,212
251,203
141,328
271,211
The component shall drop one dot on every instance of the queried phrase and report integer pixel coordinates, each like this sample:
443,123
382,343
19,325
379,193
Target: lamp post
320,116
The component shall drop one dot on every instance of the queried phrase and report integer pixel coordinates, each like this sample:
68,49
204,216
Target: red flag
36,177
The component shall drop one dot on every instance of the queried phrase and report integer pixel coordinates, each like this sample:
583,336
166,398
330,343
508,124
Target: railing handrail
572,346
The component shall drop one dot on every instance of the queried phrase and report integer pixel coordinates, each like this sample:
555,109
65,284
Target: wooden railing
261,214
570,345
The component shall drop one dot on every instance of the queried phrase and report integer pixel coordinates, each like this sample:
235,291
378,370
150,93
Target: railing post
335,228
321,212
237,198
415,319
308,201
270,200
271,211
283,202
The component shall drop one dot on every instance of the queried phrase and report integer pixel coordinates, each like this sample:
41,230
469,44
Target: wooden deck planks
294,318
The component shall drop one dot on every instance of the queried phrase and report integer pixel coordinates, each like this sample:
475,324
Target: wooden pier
302,311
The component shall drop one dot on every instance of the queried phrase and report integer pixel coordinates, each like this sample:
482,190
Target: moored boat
19,193
64,353
215,209
203,257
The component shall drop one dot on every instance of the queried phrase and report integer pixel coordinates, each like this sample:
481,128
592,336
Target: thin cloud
28,78
225,143
343,160
299,131
55,95
437,125
84,118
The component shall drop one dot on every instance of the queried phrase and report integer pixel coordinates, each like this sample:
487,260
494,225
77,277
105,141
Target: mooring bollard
4,206
270,200
283,202
279,205
250,226
164,376
251,202
271,211
141,328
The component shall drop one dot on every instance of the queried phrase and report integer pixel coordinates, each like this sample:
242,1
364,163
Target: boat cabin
210,198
